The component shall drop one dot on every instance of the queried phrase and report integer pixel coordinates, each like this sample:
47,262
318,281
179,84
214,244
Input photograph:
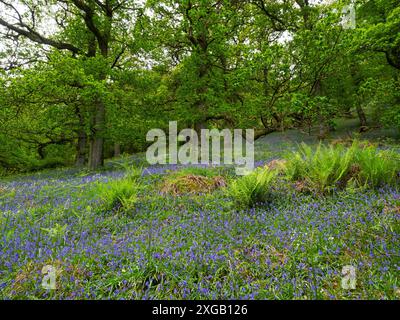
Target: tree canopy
84,80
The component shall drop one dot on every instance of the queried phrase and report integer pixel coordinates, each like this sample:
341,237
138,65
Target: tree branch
38,38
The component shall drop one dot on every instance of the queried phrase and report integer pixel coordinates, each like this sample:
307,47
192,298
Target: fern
254,188
120,194
329,167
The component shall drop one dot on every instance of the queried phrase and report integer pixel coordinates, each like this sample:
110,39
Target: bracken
192,184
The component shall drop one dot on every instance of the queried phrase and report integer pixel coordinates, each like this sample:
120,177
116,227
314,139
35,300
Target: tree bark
117,149
200,105
263,132
393,58
80,160
96,158
323,127
200,125
41,150
362,117
96,150
96,153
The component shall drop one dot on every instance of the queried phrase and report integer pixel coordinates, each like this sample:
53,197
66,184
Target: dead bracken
192,184
276,164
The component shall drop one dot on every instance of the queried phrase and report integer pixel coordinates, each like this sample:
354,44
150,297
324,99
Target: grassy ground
196,246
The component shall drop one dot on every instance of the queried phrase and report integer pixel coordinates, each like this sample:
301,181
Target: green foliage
48,163
265,65
106,72
181,241
254,188
377,168
120,194
320,169
326,168
57,232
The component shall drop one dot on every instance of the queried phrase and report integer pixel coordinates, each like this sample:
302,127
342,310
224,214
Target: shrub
254,188
377,168
48,163
335,166
321,169
120,194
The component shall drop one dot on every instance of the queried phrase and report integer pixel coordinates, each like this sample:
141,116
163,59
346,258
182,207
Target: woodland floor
198,247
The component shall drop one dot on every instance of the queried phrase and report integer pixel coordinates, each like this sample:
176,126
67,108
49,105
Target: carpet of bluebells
193,247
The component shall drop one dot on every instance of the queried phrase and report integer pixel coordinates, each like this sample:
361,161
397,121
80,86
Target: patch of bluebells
196,247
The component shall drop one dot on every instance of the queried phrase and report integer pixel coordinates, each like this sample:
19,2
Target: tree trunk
362,117
96,158
201,104
323,129
323,126
80,160
200,125
393,57
262,132
41,150
96,153
354,68
117,149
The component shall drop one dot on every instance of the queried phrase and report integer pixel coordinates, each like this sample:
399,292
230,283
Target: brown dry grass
192,184
277,164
